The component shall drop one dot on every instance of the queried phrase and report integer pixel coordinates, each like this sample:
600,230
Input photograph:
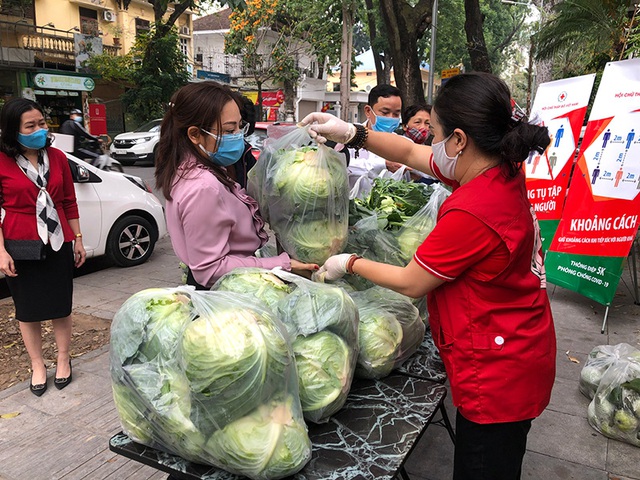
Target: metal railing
49,44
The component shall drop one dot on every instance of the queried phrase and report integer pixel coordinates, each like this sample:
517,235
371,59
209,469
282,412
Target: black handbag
25,249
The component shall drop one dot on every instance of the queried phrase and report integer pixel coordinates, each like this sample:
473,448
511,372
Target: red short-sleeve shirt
461,242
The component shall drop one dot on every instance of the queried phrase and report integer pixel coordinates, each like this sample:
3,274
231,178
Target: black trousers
192,281
489,451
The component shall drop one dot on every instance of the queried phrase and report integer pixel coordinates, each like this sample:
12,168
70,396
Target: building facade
212,63
44,44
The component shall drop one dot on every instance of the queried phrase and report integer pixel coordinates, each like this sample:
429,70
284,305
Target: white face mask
445,163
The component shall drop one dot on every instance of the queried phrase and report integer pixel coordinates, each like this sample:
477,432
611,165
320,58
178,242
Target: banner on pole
560,106
600,217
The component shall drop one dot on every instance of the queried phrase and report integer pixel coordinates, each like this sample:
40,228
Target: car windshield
152,126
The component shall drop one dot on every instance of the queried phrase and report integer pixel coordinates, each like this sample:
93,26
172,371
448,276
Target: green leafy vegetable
258,282
325,370
269,443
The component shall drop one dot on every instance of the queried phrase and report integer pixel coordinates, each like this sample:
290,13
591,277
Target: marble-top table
370,437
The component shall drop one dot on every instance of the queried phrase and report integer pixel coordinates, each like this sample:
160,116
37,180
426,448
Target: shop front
58,94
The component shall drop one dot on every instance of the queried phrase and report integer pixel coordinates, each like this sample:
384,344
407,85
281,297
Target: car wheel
153,155
131,241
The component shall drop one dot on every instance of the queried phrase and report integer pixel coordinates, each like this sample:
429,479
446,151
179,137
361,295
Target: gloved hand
334,268
325,126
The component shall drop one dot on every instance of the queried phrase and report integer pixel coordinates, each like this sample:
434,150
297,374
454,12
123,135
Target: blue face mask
35,140
230,148
78,119
385,124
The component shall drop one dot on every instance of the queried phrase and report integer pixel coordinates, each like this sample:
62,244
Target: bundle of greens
615,408
393,202
186,366
390,224
600,359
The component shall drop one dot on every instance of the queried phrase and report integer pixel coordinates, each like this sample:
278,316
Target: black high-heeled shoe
39,388
60,383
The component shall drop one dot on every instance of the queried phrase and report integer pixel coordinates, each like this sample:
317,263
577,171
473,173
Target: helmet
75,111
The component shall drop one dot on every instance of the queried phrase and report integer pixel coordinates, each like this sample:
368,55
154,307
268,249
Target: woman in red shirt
481,268
40,228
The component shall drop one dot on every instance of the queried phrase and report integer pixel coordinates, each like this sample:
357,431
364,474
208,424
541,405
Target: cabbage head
132,412
412,236
269,443
149,325
257,282
313,307
379,338
234,358
325,370
302,178
313,241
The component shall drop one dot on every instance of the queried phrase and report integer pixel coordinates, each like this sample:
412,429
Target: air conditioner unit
185,30
109,16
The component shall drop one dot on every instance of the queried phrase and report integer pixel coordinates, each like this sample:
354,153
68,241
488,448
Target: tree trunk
346,48
405,25
382,69
289,96
543,68
475,37
259,101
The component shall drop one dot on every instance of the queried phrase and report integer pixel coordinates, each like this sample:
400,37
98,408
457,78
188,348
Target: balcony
49,45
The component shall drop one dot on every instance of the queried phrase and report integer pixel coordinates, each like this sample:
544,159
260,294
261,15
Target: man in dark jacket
85,145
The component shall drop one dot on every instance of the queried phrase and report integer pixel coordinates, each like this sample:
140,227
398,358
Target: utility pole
432,54
346,47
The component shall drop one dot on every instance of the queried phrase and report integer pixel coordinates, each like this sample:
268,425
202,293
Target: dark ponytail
520,139
480,105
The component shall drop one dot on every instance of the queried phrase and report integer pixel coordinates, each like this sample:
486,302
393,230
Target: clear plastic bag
322,322
192,371
599,361
416,229
303,191
390,331
615,408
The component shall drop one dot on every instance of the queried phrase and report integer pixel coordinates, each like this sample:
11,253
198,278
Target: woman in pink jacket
214,225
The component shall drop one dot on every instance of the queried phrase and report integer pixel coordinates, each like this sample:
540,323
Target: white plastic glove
325,126
334,268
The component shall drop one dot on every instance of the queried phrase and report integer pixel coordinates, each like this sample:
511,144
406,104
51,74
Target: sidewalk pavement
64,434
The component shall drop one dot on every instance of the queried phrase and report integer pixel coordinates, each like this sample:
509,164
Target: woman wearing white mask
40,237
214,225
481,268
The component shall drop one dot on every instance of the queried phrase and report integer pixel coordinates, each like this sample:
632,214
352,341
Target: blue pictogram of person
630,136
596,174
606,137
558,136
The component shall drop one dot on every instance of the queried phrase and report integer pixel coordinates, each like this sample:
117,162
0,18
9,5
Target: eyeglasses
244,128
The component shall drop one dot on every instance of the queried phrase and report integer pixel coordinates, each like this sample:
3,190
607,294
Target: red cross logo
562,97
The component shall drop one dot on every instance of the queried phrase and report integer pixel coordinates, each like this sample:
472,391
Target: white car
119,216
139,145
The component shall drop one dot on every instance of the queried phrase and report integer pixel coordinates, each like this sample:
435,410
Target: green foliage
161,72
118,69
268,34
502,28
586,33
